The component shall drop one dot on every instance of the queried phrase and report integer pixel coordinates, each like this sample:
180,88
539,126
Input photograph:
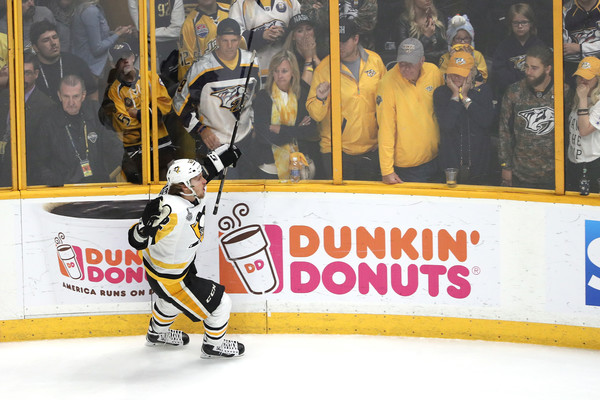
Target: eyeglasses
520,23
466,40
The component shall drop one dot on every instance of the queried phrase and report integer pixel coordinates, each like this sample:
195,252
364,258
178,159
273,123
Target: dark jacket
36,108
465,133
508,63
57,153
304,135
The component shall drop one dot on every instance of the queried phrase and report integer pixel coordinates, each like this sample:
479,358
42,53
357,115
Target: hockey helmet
182,171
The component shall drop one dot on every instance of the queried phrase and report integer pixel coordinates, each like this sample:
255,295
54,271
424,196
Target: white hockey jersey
256,16
168,258
211,96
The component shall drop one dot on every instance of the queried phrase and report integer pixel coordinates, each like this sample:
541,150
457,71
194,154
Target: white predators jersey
211,96
260,15
175,244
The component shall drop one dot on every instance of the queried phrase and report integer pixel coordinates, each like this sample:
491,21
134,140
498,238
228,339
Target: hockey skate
172,337
227,349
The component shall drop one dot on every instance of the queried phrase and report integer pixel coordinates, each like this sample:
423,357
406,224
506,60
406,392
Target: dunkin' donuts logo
340,260
100,272
245,254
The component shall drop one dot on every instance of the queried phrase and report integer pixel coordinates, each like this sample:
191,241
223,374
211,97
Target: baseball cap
229,26
410,51
298,20
348,29
461,63
120,50
588,68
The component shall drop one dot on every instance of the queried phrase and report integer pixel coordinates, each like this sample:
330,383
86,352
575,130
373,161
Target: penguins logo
539,120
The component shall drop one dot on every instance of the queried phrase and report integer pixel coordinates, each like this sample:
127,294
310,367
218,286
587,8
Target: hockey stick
235,128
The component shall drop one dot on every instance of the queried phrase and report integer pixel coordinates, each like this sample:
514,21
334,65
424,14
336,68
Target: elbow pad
219,159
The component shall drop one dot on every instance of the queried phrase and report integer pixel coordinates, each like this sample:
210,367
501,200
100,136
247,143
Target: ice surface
297,367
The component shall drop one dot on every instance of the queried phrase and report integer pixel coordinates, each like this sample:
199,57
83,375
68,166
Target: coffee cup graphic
247,247
67,257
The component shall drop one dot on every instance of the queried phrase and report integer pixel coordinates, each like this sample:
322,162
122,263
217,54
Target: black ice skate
228,349
171,337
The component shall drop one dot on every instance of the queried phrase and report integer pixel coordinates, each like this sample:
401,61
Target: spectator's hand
273,33
132,111
306,121
275,129
455,89
391,179
429,27
124,30
582,92
506,177
571,48
307,47
323,90
209,138
467,86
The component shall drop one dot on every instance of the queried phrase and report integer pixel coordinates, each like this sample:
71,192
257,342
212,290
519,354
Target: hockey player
208,101
168,233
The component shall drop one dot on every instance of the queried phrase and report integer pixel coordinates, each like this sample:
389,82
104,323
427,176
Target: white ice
297,367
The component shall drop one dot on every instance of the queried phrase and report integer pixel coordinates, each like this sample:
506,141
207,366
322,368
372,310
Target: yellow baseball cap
461,63
588,68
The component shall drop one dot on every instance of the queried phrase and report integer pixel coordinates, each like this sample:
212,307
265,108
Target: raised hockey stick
235,129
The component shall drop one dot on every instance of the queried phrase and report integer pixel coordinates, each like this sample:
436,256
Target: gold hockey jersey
198,36
124,95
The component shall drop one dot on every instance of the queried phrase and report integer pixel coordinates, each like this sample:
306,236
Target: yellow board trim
314,323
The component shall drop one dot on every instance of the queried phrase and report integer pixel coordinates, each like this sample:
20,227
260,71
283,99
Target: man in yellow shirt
361,71
408,131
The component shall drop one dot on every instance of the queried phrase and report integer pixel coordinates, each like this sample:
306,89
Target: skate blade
209,356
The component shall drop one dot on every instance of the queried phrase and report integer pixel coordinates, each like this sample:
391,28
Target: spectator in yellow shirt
361,71
408,130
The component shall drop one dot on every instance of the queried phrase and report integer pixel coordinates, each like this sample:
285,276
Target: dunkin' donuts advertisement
76,253
337,248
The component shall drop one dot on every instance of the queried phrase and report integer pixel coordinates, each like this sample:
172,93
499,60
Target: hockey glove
219,159
155,215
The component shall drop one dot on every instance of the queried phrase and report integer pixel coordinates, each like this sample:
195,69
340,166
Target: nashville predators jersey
198,36
254,16
125,95
168,256
211,96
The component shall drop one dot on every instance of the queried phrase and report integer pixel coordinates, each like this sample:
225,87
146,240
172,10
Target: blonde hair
276,61
289,44
411,15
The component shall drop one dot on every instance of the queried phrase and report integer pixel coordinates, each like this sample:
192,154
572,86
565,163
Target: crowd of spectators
425,85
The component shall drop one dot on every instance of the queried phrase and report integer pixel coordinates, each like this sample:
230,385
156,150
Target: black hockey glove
219,159
155,215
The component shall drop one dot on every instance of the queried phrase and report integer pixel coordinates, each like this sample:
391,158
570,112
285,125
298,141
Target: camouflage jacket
526,133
